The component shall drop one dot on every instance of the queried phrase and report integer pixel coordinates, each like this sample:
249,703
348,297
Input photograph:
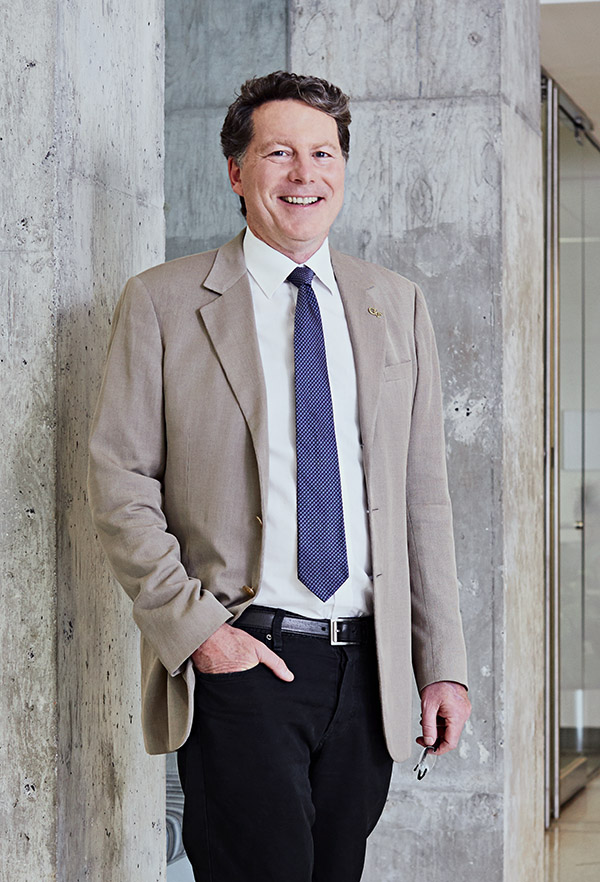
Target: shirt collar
270,268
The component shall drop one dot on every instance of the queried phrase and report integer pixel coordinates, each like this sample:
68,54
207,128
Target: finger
451,734
443,748
429,723
269,658
439,740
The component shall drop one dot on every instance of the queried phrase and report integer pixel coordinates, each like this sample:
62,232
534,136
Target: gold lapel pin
375,312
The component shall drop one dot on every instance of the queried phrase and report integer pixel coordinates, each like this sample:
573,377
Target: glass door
573,763
572,450
589,740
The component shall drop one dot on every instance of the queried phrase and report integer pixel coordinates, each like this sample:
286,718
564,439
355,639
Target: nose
301,171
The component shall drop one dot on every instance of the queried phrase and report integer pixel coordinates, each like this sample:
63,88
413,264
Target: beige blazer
178,476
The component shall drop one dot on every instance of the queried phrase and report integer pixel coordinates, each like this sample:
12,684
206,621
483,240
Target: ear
235,176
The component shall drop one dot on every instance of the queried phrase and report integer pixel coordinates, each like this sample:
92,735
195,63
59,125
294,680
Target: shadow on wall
101,758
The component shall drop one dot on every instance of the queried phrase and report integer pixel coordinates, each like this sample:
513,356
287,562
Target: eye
279,152
322,154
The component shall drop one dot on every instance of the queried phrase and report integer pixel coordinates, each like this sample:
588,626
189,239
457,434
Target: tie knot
302,275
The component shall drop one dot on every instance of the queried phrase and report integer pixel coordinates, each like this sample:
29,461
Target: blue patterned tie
322,555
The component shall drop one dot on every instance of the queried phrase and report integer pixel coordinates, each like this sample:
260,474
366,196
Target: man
267,477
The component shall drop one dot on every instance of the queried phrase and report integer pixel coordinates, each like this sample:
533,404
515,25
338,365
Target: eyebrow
281,142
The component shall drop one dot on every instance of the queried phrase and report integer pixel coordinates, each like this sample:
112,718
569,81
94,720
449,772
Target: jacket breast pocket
400,370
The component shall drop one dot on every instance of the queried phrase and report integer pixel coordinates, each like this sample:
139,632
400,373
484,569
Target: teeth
300,200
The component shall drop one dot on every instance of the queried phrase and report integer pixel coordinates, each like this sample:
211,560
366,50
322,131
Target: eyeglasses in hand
426,760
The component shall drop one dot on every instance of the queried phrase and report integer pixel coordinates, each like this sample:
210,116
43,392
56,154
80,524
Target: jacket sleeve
438,647
126,467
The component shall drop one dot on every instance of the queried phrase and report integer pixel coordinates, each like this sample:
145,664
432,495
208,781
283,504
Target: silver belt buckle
333,634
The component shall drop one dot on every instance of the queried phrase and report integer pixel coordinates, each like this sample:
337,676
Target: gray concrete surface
212,47
444,185
82,209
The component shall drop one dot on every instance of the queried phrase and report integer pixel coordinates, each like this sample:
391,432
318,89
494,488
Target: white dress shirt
274,302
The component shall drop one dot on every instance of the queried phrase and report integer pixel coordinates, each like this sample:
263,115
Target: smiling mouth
301,200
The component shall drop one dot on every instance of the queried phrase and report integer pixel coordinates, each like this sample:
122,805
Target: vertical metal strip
546,98
551,429
555,293
555,490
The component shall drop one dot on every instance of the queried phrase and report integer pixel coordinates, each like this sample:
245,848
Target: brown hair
238,129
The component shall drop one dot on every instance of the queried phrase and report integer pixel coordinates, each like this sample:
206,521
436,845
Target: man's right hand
231,649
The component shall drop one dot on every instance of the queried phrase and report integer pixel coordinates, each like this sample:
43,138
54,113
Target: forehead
282,121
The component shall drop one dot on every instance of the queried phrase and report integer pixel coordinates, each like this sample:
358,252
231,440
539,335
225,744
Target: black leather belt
339,632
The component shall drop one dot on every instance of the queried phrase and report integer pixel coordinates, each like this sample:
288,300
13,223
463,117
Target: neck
299,252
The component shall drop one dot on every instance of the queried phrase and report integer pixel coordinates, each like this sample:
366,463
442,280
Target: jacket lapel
229,322
367,334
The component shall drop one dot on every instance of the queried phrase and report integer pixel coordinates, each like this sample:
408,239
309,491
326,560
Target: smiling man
291,176
267,477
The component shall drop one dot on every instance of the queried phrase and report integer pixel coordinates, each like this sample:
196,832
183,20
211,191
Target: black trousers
283,782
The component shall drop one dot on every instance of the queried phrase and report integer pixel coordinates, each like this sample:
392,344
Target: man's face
291,177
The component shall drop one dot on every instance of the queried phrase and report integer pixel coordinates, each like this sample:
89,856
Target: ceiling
570,49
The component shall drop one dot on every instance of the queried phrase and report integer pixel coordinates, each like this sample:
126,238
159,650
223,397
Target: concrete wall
212,47
523,449
82,147
28,583
444,185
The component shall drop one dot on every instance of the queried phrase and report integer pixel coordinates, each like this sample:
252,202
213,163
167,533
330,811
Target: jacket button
259,519
249,590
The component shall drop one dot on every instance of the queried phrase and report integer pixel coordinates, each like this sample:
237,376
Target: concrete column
81,145
212,48
444,185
